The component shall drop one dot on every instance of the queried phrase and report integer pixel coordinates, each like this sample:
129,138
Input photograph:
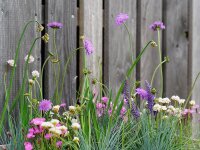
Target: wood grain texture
91,26
151,10
117,53
194,41
177,47
13,17
64,11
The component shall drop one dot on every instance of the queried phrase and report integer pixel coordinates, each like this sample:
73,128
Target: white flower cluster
11,62
164,100
31,59
35,74
177,99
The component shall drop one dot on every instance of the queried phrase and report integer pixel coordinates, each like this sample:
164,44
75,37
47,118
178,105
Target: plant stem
130,40
153,76
161,71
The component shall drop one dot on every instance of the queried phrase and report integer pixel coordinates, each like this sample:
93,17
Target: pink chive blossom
110,112
48,136
28,146
99,105
55,25
59,144
123,111
121,18
157,25
37,121
88,46
104,99
45,105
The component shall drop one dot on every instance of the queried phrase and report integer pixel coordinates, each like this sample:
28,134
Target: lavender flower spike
143,93
88,46
55,25
157,25
135,111
121,18
150,97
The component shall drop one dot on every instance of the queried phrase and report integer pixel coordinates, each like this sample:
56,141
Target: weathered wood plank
177,47
91,26
13,17
64,11
117,53
151,10
194,42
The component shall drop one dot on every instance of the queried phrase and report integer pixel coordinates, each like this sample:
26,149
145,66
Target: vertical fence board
13,17
91,26
195,39
177,47
151,10
64,11
117,53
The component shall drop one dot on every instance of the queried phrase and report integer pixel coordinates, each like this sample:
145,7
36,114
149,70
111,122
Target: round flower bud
56,108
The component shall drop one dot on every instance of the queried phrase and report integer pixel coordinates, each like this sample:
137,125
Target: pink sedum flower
28,146
48,136
59,144
37,121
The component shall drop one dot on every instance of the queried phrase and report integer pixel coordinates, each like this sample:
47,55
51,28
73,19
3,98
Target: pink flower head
104,99
59,144
99,105
110,112
195,106
157,25
88,46
37,121
55,25
143,93
45,105
123,111
63,105
28,146
48,136
185,112
121,18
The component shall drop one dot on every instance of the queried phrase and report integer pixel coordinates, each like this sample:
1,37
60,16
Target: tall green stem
161,71
154,73
130,41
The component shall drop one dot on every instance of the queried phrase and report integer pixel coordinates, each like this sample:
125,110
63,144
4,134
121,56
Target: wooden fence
95,20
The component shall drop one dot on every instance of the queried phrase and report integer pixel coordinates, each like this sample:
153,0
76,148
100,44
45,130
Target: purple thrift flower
121,18
157,25
88,46
59,144
143,93
55,25
45,105
150,97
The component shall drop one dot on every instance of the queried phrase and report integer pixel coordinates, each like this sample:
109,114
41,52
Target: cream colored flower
164,108
76,126
31,59
157,107
181,101
31,82
11,62
55,131
35,74
192,103
55,121
175,98
56,108
62,128
72,109
76,139
47,125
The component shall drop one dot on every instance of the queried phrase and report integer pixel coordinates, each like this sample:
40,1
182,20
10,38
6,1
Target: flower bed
98,120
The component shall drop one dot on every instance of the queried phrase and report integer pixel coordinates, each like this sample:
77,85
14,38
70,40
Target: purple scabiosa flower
88,46
142,93
59,144
150,97
157,25
45,105
121,18
55,25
